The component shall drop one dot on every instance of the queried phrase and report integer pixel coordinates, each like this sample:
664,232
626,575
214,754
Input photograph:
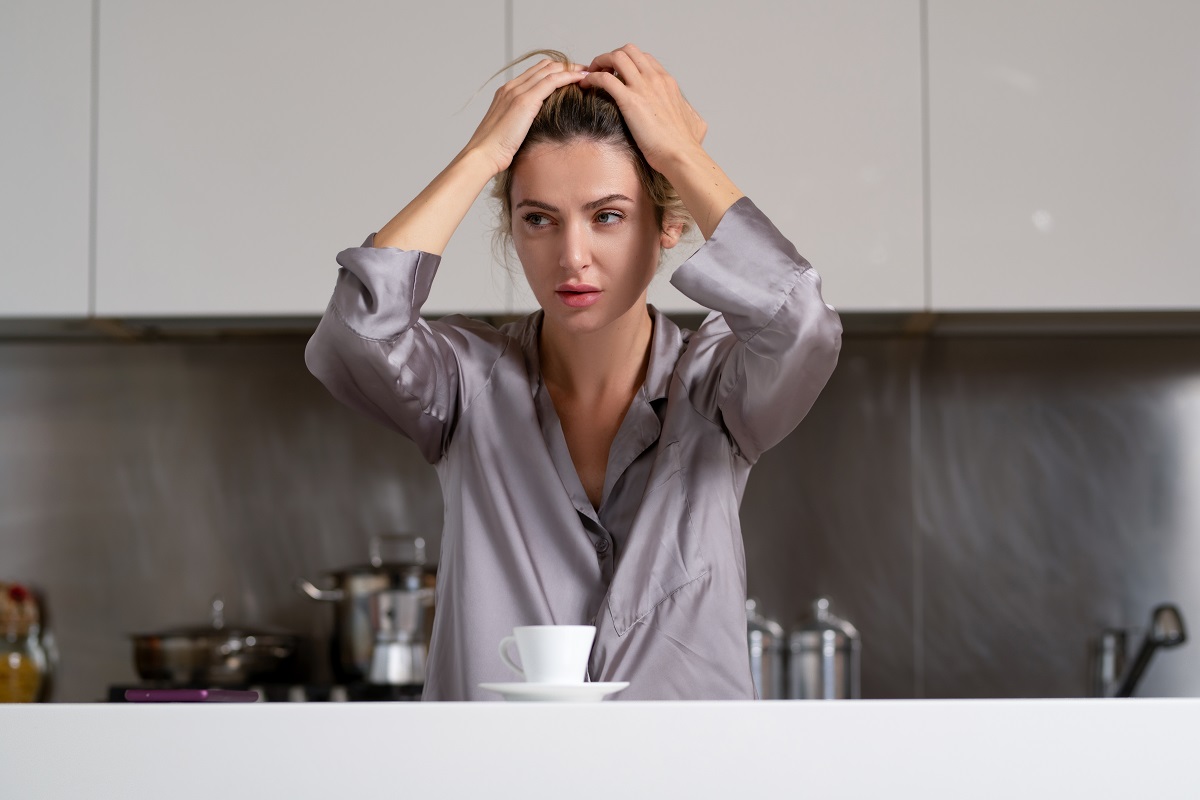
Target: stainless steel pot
217,654
353,639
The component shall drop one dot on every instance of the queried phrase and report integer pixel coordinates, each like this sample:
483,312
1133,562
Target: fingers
535,73
538,72
643,61
548,83
617,63
606,81
546,65
629,62
653,62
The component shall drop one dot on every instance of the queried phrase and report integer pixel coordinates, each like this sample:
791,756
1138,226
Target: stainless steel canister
824,657
768,647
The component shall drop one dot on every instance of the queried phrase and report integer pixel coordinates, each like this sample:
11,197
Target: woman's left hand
662,122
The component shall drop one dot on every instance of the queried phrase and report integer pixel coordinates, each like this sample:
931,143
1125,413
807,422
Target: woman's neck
600,363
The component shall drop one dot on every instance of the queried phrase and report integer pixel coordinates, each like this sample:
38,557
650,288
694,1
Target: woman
592,455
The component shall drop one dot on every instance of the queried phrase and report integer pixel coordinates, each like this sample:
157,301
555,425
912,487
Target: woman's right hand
513,108
430,219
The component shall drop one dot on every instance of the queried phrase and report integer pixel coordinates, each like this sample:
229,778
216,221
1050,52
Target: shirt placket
556,442
638,431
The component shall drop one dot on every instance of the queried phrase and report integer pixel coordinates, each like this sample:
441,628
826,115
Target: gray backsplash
979,506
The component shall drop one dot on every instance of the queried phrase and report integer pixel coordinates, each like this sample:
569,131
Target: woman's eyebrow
608,198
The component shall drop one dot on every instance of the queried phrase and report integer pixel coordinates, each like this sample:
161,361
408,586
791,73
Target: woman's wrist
477,162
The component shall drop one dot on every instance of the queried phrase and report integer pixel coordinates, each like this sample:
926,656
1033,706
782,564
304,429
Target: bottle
23,663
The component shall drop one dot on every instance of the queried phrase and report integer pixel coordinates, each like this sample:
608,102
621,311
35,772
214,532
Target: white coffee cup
550,653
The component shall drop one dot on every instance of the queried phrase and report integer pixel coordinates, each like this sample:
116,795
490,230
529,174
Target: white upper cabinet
813,109
45,143
1064,154
242,145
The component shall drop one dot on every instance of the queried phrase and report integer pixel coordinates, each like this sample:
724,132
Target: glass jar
23,663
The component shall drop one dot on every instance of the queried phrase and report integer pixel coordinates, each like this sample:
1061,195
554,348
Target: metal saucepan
353,640
215,655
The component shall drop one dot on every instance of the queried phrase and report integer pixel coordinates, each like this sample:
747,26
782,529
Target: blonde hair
571,113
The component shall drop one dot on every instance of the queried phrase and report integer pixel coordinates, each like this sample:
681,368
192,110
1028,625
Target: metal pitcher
397,617
353,640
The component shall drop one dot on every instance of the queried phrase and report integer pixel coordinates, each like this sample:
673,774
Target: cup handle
504,655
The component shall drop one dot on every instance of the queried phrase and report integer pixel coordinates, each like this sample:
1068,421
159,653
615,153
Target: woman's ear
671,233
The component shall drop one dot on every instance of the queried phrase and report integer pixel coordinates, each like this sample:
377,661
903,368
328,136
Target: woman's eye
613,217
535,219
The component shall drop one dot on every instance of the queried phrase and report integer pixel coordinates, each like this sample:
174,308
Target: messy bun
573,112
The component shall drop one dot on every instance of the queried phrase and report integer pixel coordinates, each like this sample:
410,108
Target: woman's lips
580,295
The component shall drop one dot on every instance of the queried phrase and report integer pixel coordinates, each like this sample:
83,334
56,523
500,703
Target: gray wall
979,506
982,507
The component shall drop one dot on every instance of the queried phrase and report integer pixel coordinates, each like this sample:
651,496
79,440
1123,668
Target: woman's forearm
428,222
705,189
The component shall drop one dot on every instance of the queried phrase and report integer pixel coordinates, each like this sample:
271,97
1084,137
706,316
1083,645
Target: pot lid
217,627
412,544
385,568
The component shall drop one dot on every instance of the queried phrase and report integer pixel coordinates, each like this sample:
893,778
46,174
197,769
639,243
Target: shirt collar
665,343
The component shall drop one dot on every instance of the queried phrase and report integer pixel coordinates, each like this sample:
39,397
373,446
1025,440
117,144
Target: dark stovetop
294,693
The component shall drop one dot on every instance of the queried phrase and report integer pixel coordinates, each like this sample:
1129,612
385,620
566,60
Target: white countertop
886,748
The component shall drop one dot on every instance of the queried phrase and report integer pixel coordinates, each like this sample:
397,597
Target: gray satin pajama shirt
660,568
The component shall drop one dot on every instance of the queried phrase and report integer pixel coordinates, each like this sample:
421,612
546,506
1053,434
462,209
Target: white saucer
556,692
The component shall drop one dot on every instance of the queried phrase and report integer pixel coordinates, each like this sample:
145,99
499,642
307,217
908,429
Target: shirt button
602,546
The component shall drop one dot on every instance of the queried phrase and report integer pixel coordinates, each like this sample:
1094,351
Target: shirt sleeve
773,343
375,353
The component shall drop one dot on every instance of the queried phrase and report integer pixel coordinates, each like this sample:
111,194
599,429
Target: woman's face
585,231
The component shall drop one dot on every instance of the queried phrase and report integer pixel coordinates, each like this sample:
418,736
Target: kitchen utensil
768,648
1166,630
397,617
824,657
550,653
217,654
556,693
353,641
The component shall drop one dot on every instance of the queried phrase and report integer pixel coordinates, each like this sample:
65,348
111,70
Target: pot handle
331,595
376,547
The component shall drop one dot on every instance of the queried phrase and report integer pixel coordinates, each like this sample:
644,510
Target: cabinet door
1064,155
45,157
242,145
813,109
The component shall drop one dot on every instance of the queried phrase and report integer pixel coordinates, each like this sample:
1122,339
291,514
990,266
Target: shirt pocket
664,551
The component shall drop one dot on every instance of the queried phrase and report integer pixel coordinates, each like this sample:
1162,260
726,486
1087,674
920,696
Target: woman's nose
576,248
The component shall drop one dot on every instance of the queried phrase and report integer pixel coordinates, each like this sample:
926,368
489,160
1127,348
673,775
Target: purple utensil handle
190,696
